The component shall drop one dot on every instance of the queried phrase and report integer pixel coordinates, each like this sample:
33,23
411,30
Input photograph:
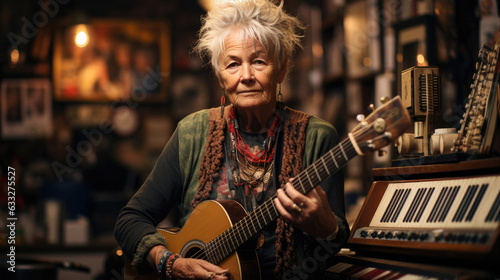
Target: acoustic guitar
223,233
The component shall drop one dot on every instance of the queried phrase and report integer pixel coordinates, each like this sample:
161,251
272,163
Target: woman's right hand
187,268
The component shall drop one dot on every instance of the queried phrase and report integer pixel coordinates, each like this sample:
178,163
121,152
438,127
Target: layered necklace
253,164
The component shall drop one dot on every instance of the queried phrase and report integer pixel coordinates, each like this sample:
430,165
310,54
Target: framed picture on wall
26,108
110,60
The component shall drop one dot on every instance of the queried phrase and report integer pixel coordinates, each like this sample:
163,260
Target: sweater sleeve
322,138
160,192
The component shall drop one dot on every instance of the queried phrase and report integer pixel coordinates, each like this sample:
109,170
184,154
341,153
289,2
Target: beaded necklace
253,166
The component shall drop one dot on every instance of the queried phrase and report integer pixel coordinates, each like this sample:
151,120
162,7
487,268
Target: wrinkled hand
186,268
311,212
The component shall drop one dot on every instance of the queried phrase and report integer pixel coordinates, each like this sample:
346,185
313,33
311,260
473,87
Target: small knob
384,99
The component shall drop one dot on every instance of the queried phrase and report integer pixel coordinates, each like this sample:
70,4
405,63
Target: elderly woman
248,151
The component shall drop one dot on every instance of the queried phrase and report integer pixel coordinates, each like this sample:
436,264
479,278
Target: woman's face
248,75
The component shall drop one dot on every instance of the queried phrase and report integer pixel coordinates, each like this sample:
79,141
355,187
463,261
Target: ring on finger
209,275
297,208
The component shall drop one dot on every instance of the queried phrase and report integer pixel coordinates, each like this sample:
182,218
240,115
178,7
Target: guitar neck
329,164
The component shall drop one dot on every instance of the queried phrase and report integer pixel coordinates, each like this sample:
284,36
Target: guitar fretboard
231,239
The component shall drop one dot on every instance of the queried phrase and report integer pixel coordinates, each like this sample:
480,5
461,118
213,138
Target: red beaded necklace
267,153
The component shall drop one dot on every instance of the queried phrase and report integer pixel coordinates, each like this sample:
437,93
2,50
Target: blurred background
92,90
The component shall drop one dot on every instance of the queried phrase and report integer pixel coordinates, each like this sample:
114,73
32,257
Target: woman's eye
260,62
232,65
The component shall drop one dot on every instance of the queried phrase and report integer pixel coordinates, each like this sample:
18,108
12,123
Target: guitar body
207,221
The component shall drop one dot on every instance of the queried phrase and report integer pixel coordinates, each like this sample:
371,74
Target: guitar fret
254,228
317,173
308,178
233,246
260,226
225,249
326,167
245,228
275,210
268,213
208,252
238,235
259,211
270,216
216,256
333,157
300,181
342,149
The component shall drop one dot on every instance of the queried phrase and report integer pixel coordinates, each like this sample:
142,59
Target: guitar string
245,221
217,243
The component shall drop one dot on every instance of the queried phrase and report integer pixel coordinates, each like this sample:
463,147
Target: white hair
260,20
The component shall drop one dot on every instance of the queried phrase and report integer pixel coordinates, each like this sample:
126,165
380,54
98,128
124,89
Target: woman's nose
247,73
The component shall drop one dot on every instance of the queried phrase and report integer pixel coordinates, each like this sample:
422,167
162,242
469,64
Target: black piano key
401,205
475,205
389,206
464,205
413,206
424,204
468,202
446,209
494,211
399,194
446,197
434,210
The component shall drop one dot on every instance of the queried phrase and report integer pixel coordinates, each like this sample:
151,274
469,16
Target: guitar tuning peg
360,117
384,99
382,153
371,108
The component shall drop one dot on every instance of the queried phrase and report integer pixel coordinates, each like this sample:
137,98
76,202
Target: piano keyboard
449,215
447,204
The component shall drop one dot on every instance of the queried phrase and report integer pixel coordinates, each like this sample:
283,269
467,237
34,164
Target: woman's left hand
311,212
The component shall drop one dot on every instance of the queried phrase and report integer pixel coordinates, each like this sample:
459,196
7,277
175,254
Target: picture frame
112,60
26,108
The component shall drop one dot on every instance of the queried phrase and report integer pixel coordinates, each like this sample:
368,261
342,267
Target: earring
222,103
280,96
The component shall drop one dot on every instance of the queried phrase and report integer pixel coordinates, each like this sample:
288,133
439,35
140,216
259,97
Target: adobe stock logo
40,18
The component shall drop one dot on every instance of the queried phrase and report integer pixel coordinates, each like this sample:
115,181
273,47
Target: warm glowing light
119,253
420,59
14,56
81,39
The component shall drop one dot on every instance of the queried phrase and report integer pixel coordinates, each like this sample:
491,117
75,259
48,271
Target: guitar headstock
382,127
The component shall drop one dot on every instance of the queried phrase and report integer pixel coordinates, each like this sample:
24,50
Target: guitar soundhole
193,249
